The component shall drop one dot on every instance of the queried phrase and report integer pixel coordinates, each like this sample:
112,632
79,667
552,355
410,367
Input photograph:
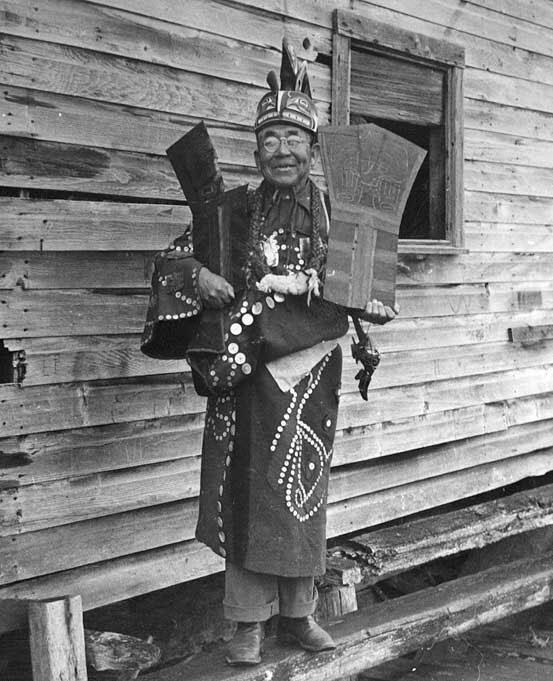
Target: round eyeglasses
272,143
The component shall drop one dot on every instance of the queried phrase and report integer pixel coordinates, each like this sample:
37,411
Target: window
412,85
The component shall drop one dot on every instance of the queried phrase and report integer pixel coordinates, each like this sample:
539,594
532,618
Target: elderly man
268,438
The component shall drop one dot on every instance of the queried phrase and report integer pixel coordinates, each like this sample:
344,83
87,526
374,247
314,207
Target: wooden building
99,445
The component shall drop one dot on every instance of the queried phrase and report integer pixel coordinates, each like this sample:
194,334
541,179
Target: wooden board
369,172
65,225
406,91
419,541
75,120
125,577
73,168
82,358
385,631
113,79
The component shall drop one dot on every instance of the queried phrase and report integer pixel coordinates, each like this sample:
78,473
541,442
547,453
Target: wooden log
57,640
386,631
404,546
336,600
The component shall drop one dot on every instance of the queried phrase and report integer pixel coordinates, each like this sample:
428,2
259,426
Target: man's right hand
215,291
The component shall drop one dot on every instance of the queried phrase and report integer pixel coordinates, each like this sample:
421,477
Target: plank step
389,551
384,632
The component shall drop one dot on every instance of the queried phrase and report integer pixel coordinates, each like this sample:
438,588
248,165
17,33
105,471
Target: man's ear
257,159
315,154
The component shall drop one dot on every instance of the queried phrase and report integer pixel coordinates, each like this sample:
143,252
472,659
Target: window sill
428,247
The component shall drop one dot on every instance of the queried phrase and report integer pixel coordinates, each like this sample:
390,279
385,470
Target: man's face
285,155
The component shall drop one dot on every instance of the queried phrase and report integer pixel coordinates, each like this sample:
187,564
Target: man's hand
378,313
215,291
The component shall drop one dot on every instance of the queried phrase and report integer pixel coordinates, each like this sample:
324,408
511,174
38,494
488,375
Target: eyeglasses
272,143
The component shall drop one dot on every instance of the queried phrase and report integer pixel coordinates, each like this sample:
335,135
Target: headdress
291,101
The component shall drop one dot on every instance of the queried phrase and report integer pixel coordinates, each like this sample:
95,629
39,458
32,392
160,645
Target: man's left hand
378,313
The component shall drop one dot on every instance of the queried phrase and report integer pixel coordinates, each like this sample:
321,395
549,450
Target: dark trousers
255,597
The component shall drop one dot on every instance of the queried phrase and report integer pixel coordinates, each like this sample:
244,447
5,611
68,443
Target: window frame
351,30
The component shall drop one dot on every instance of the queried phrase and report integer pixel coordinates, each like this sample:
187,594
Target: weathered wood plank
75,120
386,631
266,24
125,577
508,120
64,225
109,78
68,405
537,12
385,505
56,407
56,639
131,270
355,25
90,26
477,21
412,400
416,96
78,358
485,145
506,208
71,312
78,312
81,358
73,168
496,237
508,179
341,79
493,87
411,543
25,555
29,555
35,507
233,21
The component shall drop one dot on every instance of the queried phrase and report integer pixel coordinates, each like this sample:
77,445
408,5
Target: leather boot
305,632
245,647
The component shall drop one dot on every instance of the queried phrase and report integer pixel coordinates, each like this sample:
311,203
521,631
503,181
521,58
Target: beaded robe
267,445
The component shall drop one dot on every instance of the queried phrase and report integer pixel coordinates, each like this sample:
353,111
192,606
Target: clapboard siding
84,358
99,448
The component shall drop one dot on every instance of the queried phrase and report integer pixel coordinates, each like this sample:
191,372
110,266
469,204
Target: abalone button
257,308
240,358
220,522
236,329
222,537
222,552
279,297
270,304
247,319
233,348
246,369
